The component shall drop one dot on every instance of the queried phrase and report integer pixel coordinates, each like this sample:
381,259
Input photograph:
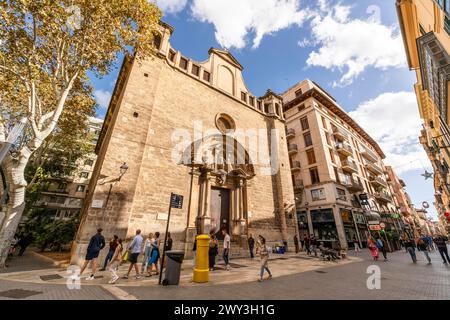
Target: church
193,129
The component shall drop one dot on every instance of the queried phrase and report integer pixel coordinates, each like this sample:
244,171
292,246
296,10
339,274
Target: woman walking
154,259
264,254
148,245
373,248
213,252
115,261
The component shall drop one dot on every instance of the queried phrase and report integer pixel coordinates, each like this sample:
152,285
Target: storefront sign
374,222
374,227
359,218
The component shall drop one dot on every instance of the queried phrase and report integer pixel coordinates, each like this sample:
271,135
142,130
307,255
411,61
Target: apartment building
425,26
64,195
339,178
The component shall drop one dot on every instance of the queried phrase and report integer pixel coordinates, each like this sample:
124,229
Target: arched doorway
221,170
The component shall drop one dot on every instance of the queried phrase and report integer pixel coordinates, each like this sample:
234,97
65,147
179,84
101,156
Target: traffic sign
176,201
382,225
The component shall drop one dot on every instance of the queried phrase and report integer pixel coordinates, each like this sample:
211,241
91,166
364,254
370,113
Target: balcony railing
377,182
383,196
295,166
349,166
344,149
290,133
298,185
374,168
369,155
292,148
340,134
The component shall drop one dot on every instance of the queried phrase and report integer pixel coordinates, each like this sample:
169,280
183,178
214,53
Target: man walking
96,244
134,251
381,247
112,249
313,243
422,245
410,247
441,244
251,245
297,249
356,244
307,244
226,248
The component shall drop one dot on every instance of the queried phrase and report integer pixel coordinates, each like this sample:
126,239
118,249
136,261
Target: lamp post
123,169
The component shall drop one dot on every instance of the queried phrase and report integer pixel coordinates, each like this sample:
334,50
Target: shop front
349,227
324,227
361,224
303,229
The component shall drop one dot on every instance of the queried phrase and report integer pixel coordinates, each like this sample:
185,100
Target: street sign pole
165,239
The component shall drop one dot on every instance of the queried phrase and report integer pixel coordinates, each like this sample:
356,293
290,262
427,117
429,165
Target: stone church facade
194,129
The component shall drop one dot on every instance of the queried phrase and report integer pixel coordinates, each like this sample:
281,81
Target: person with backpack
213,251
410,246
381,247
422,245
264,254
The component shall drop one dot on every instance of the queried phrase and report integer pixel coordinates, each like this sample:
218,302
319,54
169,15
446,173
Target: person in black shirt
96,244
251,245
441,244
112,248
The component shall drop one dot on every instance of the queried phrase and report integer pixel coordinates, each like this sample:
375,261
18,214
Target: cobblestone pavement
400,279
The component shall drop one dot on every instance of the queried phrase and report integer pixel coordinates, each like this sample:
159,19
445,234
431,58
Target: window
308,139
298,93
81,188
157,41
89,162
311,156
84,175
333,160
251,100
259,105
341,194
206,76
244,96
318,194
301,107
277,109
183,63
314,173
447,24
266,108
324,123
304,123
62,186
195,70
172,55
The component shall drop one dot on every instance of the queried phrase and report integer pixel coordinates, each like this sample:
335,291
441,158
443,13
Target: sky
352,48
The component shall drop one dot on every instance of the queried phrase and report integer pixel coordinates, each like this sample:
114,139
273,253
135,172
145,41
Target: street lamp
123,169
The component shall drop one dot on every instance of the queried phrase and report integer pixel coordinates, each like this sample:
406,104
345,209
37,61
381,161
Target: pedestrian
356,244
134,251
410,246
115,261
112,249
307,245
313,243
213,251
148,245
194,250
24,242
264,254
373,248
251,245
297,249
302,243
381,246
168,247
155,255
422,245
441,244
226,248
429,241
96,244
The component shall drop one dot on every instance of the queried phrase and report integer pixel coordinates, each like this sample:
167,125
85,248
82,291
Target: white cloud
102,97
393,120
171,6
234,20
352,45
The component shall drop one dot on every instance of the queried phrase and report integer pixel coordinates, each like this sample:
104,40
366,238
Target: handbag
125,256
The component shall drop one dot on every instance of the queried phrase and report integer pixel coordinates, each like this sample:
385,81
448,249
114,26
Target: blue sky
352,48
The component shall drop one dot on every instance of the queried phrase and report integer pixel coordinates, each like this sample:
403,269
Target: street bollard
201,270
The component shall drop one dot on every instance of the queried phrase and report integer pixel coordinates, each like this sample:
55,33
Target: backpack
379,244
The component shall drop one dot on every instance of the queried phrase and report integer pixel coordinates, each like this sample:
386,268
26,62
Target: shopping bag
125,256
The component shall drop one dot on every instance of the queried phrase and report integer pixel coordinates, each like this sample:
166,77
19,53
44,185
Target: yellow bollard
201,270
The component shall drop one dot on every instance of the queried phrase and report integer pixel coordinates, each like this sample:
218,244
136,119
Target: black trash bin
173,268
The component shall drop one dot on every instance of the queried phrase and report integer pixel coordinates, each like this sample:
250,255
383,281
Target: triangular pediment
227,56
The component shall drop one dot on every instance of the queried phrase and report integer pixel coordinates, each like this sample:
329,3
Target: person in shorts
134,251
96,244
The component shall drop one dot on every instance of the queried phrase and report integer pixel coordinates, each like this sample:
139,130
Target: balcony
340,134
352,184
378,182
298,186
349,166
374,168
369,155
383,197
344,149
290,133
295,166
292,149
